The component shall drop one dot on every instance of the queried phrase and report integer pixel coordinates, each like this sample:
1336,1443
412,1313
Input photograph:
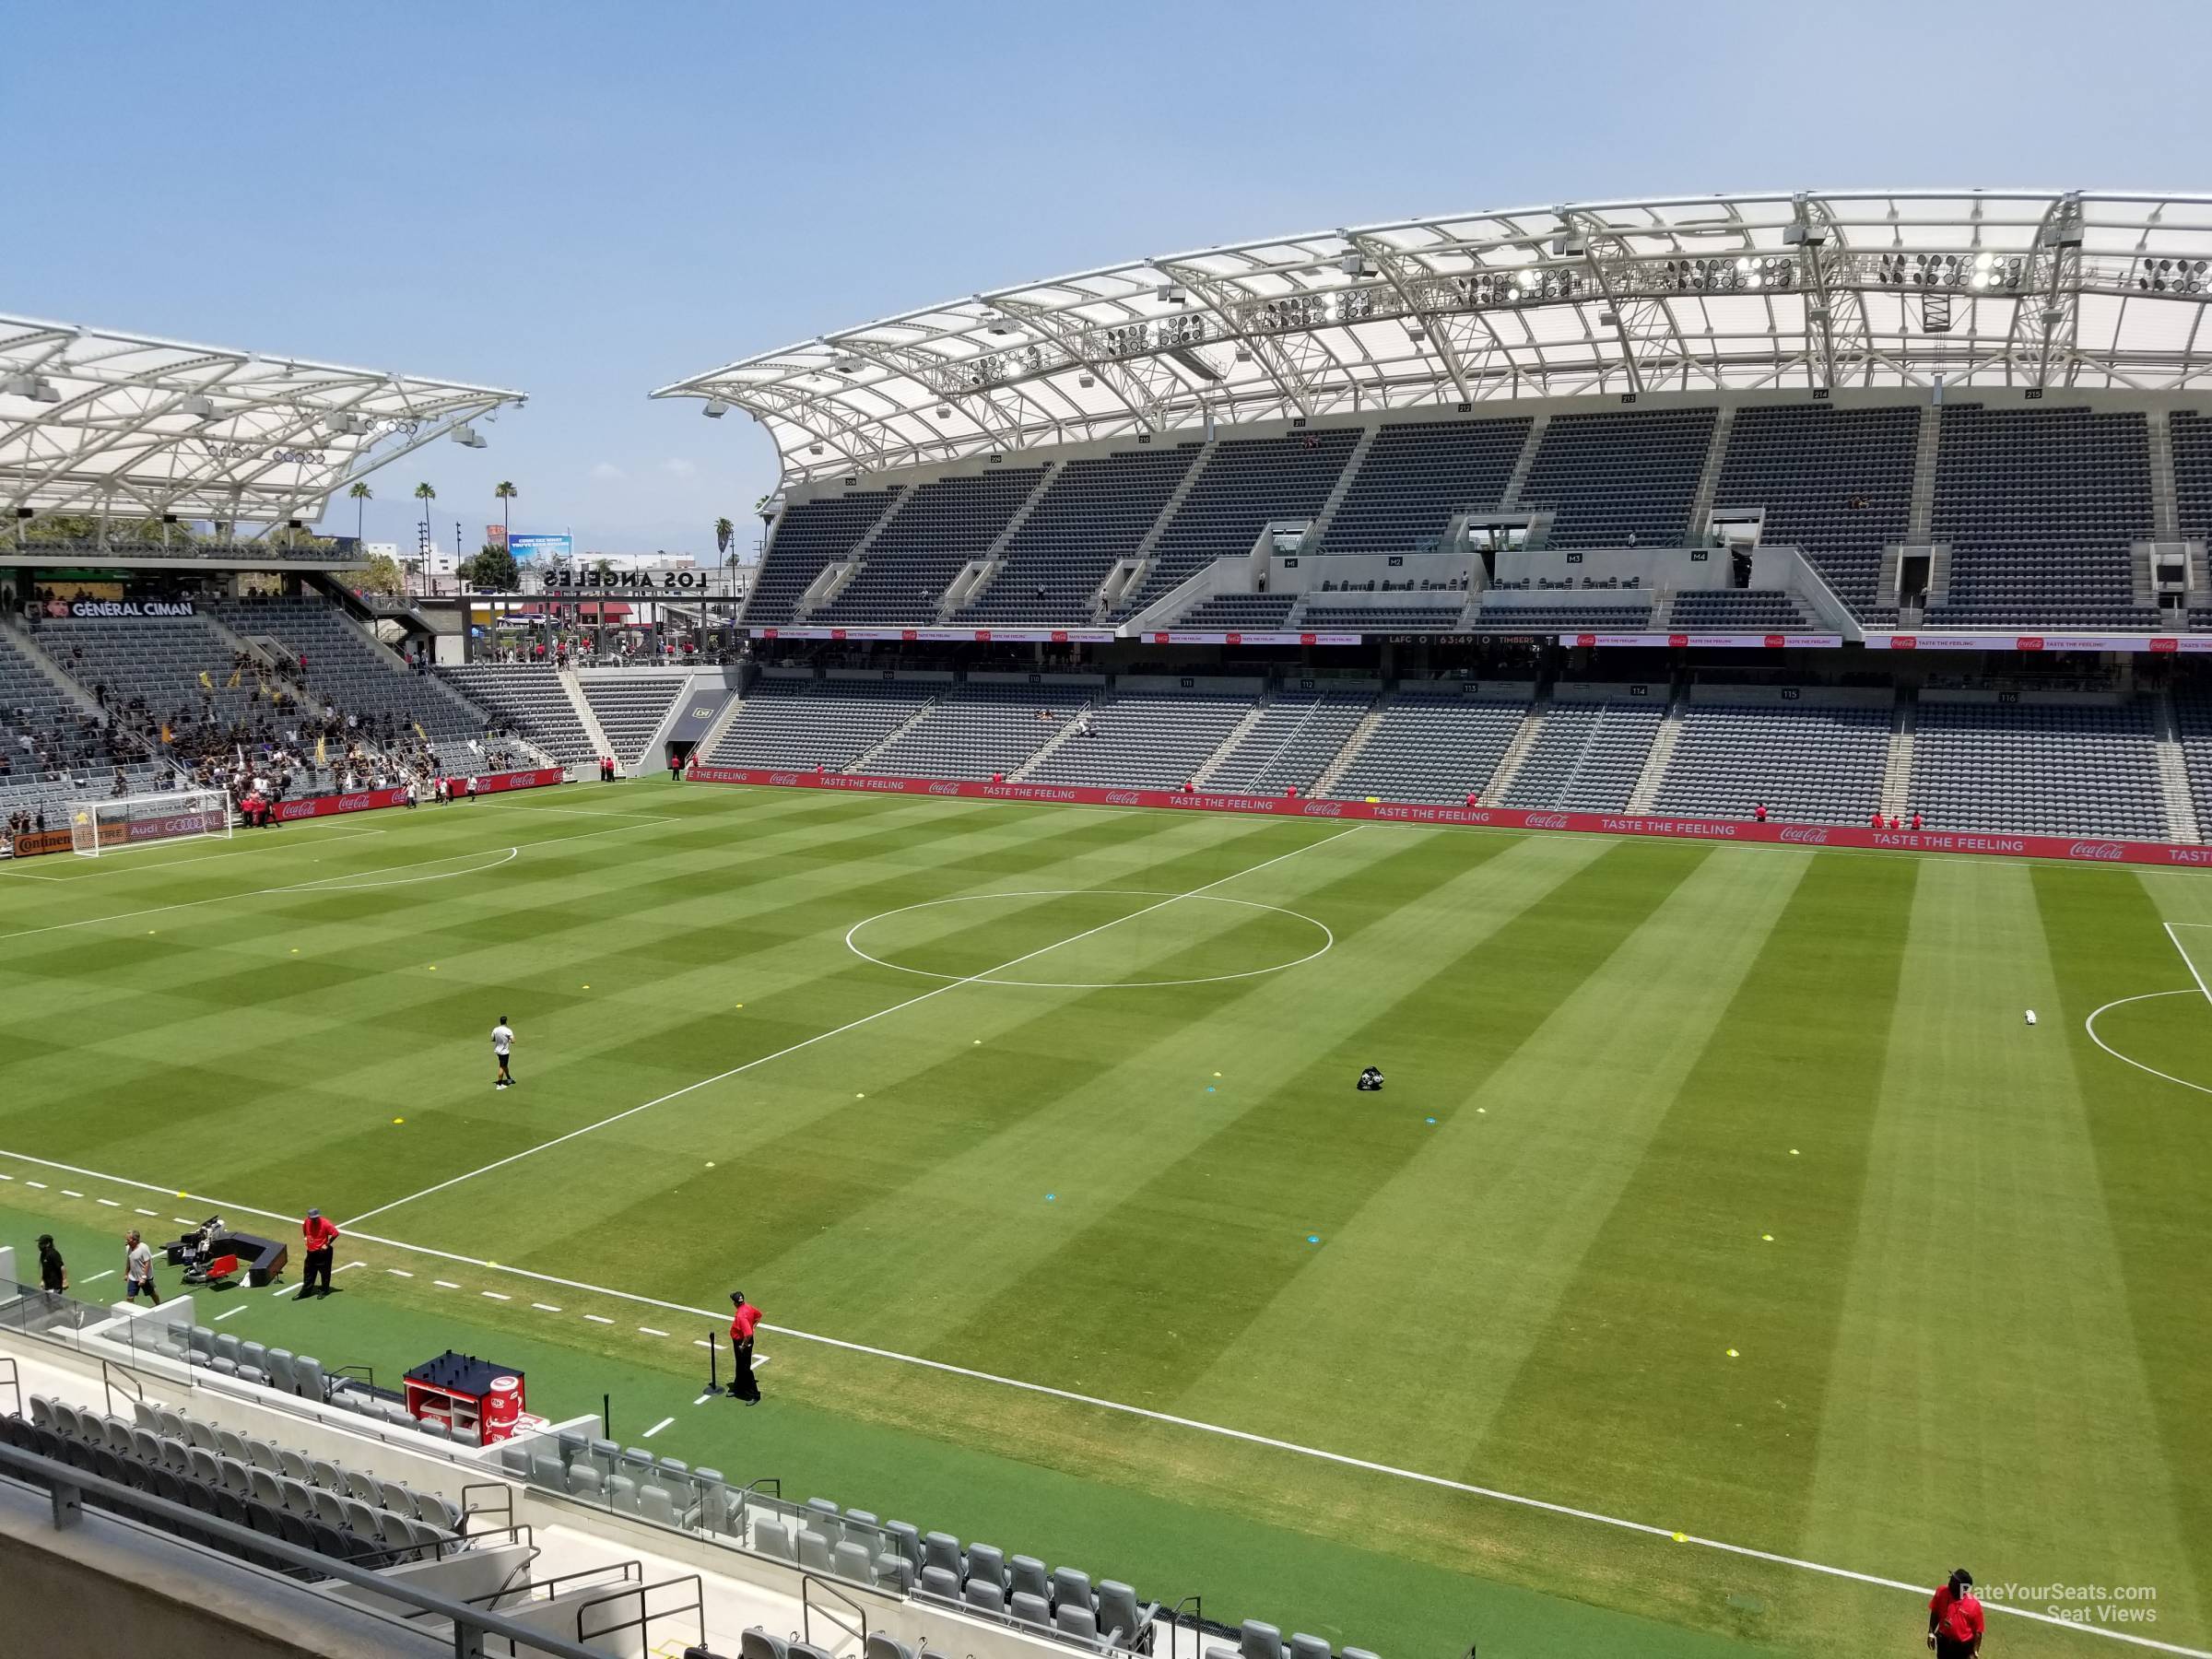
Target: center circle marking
989,976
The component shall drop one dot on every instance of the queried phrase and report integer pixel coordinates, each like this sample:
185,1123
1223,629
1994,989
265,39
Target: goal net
115,826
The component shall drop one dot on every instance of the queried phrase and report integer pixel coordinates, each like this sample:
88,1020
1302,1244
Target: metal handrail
13,1380
70,1486
642,1623
808,1584
109,1371
505,1506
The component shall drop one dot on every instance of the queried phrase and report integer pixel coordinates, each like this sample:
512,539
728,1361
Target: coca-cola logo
944,789
2111,852
1323,809
1817,838
1547,820
354,803
1123,797
784,778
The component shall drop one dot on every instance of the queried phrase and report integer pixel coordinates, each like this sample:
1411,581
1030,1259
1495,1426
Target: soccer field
1718,1191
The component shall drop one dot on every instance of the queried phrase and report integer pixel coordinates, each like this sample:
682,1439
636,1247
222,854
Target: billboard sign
553,549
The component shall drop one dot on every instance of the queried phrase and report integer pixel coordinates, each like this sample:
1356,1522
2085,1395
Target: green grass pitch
1722,1191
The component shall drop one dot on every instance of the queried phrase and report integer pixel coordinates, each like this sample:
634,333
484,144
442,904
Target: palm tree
425,495
360,493
505,493
724,533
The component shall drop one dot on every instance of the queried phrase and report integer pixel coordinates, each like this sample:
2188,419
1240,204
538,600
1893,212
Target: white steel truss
1815,288
134,427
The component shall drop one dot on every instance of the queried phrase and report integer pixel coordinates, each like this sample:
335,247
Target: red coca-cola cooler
502,1408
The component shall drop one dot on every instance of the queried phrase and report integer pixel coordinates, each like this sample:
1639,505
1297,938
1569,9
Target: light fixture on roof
1355,264
846,366
1606,319
715,409
944,411
1243,354
816,449
199,406
1172,295
998,328
467,437
36,387
1086,381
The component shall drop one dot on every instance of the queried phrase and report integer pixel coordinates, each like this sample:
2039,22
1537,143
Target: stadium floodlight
467,437
1086,381
199,405
116,825
36,387
945,410
715,409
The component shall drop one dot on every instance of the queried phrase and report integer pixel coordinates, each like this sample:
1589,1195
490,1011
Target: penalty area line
1195,1425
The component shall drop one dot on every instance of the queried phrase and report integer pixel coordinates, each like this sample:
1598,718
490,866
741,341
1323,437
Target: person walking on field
53,1273
1955,1617
743,1323
139,1270
502,1046
321,1238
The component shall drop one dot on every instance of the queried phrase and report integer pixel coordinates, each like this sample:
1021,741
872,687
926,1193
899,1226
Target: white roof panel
1843,287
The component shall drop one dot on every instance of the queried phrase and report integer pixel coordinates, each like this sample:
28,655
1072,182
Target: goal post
127,822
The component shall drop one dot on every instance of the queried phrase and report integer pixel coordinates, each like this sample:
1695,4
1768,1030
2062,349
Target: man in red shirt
1875,820
743,1323
1955,1619
1916,821
321,1238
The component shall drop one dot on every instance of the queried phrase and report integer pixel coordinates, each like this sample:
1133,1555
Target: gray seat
1071,1588
1030,1609
199,1433
202,1341
144,1415
361,1520
226,1347
330,1509
894,1572
440,1511
986,1562
881,1644
325,1475
295,1463
307,1377
255,1355
298,1496
392,1496
1259,1640
1078,1622
262,1454
222,1367
654,1504
984,1595
119,1436
773,1538
205,1468
1307,1647
279,1364
941,1549
395,1532
546,1472
227,1443
905,1540
806,1649
1118,1615
585,1481
850,1560
938,1580
173,1425
146,1446
235,1479
814,1549
714,1493
1025,1576
756,1644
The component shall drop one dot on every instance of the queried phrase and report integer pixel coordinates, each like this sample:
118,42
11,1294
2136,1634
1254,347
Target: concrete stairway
1516,752
1353,744
1897,771
2173,775
1661,753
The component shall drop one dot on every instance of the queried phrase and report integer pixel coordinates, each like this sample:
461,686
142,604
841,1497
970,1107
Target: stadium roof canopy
2012,288
92,421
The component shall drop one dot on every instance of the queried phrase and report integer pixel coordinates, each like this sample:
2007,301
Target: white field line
292,840
660,1425
1146,1413
2090,1026
851,1025
2186,962
322,884
233,1315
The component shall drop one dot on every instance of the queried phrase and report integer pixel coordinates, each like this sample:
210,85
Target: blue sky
588,201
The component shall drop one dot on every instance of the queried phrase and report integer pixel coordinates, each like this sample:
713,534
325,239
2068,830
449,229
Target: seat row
330,1519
